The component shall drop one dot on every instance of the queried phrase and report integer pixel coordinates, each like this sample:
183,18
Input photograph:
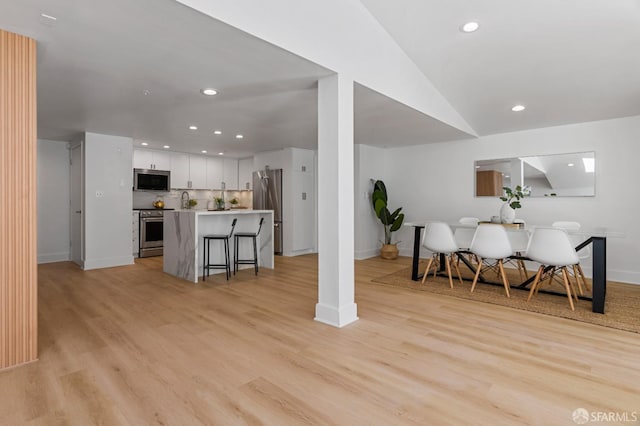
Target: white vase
507,214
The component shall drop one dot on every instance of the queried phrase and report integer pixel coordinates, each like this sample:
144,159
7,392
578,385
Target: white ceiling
568,61
97,60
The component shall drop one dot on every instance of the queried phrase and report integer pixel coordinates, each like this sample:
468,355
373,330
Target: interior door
76,206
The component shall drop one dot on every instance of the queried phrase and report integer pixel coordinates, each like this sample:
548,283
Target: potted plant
390,221
234,202
512,202
219,203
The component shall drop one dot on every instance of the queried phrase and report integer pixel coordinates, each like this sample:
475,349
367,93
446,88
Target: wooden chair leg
522,269
475,278
426,272
584,279
551,275
536,282
457,267
565,275
448,262
505,281
576,275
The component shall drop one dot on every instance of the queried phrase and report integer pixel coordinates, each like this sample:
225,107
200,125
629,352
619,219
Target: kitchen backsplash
172,200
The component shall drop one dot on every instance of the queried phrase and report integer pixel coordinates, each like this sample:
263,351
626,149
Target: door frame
72,212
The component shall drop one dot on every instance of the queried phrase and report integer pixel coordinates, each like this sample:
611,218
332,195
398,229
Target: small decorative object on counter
193,203
234,203
159,203
219,203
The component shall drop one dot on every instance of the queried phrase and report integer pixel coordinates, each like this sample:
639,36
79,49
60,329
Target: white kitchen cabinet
230,177
245,173
303,221
215,173
198,172
303,160
188,171
135,233
151,159
179,170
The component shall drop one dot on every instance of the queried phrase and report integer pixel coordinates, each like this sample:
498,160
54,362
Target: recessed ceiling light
144,144
518,108
570,165
209,92
193,127
477,167
221,153
146,92
239,136
204,151
166,147
217,132
470,27
507,176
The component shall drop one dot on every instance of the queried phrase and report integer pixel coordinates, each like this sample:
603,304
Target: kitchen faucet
185,202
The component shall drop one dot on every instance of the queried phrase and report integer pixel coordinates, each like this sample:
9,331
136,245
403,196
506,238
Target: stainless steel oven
151,232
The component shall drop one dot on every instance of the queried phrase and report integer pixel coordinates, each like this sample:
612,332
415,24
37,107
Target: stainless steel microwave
151,180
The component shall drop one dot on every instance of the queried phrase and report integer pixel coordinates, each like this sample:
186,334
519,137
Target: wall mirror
557,175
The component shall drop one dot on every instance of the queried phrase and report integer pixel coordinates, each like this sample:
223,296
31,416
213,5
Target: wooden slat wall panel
18,264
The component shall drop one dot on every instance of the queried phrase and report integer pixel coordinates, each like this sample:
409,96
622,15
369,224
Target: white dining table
597,238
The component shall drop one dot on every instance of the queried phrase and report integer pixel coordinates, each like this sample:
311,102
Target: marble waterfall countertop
183,238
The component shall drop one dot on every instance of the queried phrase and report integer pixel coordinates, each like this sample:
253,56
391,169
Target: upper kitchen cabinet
150,159
303,160
245,173
215,173
231,173
198,172
179,170
188,171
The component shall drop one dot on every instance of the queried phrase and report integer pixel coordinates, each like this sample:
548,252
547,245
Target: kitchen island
184,230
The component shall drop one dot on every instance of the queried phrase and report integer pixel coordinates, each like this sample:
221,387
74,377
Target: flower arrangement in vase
511,200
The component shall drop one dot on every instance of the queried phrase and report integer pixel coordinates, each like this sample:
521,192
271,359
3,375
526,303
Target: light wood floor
131,345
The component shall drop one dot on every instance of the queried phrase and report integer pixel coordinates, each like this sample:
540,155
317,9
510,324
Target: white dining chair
519,240
583,254
552,247
439,239
469,220
491,243
464,234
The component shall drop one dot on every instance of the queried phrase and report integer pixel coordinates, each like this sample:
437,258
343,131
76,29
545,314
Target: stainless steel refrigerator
267,195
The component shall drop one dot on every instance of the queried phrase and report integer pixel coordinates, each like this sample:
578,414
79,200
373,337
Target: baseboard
297,252
107,262
53,257
629,277
366,254
336,316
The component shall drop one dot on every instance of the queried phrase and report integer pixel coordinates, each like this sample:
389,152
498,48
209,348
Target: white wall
342,36
436,181
108,161
53,201
370,164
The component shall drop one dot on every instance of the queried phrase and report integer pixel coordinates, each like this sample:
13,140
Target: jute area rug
622,308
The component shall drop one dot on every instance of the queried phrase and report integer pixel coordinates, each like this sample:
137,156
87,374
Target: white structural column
336,207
